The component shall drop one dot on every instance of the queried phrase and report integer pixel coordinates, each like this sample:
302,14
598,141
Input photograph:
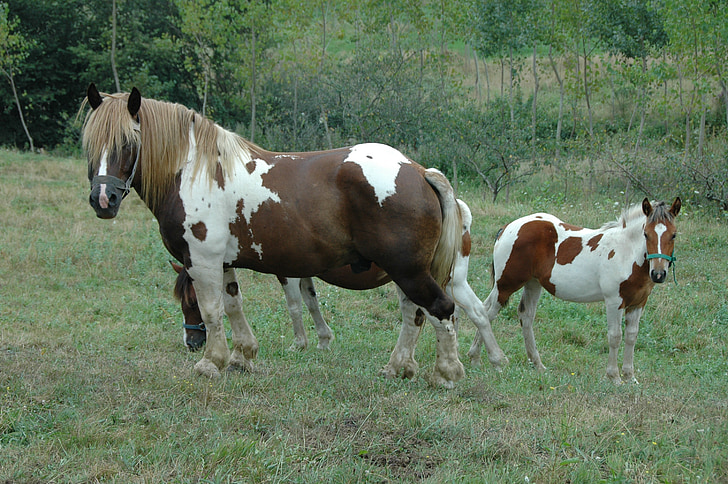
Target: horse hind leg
526,314
631,328
402,360
323,331
245,345
439,309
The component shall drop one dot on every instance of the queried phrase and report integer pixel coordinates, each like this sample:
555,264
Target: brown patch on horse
250,166
537,240
467,243
570,227
594,242
568,250
199,230
232,289
638,286
611,254
220,177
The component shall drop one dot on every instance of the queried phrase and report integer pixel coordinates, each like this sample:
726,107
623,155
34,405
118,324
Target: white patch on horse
217,207
380,165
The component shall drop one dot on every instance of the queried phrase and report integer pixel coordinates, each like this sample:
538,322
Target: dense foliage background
490,91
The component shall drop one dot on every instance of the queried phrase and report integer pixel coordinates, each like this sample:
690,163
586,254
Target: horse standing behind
223,202
618,263
298,290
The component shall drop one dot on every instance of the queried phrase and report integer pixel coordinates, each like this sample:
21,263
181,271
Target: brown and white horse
297,290
223,202
618,264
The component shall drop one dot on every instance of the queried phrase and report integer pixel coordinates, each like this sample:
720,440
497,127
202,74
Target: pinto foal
618,263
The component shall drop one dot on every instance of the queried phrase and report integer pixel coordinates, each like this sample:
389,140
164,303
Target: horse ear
178,268
93,96
675,209
646,207
135,102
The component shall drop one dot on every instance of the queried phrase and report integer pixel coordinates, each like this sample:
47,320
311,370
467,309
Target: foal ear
646,207
93,96
675,209
135,102
178,268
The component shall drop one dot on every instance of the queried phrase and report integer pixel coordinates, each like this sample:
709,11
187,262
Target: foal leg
245,345
325,335
402,359
292,290
631,328
491,306
475,309
614,336
526,314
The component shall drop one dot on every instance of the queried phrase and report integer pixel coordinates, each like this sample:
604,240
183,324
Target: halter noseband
198,327
670,258
116,182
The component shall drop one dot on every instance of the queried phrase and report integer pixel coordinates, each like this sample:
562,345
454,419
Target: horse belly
576,282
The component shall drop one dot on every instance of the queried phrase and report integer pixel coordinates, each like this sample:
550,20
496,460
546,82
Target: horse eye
673,236
645,234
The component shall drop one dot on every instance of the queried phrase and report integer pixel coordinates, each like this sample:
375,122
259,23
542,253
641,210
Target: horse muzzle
107,192
658,276
194,336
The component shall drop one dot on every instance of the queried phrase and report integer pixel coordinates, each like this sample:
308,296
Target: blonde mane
164,138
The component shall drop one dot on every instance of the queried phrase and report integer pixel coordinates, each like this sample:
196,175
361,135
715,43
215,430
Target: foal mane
164,139
633,216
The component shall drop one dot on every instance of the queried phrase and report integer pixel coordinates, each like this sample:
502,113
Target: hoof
446,377
499,362
251,352
239,363
407,371
207,368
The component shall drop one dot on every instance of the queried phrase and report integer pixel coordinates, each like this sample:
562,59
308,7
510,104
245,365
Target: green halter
670,258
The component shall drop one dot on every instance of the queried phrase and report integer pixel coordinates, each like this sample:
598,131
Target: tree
13,50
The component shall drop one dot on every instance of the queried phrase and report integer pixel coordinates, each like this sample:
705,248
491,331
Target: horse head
195,333
112,145
659,233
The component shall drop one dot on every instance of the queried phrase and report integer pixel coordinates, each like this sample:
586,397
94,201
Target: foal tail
451,233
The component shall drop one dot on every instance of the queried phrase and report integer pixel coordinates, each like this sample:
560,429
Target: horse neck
628,238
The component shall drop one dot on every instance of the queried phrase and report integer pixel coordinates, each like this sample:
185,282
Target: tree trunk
535,98
9,74
113,46
561,102
253,76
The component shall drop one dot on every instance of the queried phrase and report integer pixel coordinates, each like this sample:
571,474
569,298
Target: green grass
95,385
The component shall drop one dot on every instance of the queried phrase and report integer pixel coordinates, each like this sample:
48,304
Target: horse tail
451,232
492,262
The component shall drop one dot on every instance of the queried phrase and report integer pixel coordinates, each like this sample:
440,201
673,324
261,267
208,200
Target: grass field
95,385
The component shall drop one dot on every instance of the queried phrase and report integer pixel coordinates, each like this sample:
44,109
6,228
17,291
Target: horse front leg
323,331
245,345
208,284
402,360
614,337
631,328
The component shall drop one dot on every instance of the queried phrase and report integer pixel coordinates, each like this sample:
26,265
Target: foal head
659,233
195,333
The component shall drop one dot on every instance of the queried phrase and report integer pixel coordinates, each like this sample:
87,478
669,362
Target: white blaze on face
103,167
380,165
659,230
